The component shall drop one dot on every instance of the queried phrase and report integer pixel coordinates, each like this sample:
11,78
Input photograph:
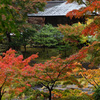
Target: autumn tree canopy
92,7
93,29
52,71
11,67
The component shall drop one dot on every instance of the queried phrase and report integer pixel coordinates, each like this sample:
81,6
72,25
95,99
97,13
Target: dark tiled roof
61,9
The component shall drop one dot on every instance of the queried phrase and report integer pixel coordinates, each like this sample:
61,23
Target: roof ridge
55,1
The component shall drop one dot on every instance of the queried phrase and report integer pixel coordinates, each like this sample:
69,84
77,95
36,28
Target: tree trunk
49,94
9,39
0,95
25,48
65,53
44,48
47,53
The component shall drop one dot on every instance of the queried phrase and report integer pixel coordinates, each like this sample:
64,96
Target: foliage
11,67
89,74
38,95
70,95
63,49
16,72
93,29
23,39
96,95
13,16
73,34
14,12
90,7
51,71
48,36
93,7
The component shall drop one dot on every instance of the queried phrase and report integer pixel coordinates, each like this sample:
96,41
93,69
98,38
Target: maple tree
73,37
13,69
72,34
52,71
10,72
16,73
57,69
92,75
92,7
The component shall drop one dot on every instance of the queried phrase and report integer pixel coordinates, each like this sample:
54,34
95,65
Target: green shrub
96,94
48,36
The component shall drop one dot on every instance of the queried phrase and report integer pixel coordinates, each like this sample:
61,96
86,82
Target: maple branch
4,82
94,79
53,85
61,71
42,79
94,13
3,92
43,84
47,86
84,3
89,81
95,82
49,76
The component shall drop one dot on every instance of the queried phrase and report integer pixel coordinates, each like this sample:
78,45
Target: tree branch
42,79
84,3
4,82
89,81
49,76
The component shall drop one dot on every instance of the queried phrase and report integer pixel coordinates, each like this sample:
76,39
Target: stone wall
37,20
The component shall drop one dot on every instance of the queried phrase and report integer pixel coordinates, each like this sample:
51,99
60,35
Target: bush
48,36
70,95
96,94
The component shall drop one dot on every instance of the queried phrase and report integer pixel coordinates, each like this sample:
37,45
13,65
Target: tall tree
13,15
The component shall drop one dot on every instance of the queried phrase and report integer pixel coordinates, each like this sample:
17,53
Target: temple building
55,13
